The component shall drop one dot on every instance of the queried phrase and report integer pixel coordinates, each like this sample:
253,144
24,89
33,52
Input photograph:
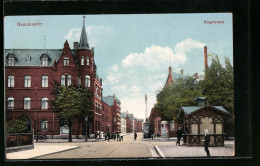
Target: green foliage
72,102
217,86
171,98
16,126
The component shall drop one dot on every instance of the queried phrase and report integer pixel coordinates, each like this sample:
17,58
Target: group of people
206,139
114,136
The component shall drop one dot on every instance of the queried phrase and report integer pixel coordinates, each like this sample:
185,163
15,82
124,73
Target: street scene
128,148
119,86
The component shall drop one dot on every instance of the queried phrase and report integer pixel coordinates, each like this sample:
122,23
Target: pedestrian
135,135
114,136
179,135
108,136
206,142
117,137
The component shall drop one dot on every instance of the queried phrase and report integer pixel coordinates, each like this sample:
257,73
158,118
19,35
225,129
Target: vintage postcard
119,86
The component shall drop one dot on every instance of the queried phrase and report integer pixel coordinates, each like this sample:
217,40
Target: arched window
87,81
87,61
10,81
79,80
44,125
27,103
27,81
10,103
44,81
68,80
66,61
82,60
44,103
62,82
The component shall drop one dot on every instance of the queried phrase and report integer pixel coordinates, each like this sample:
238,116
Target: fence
17,141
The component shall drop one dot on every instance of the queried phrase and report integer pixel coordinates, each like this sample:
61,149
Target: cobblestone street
135,149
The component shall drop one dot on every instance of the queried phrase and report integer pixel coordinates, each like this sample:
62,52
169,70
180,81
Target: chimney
182,71
205,57
75,45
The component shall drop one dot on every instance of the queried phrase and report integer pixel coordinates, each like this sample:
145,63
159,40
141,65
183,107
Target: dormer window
11,60
82,60
66,61
45,59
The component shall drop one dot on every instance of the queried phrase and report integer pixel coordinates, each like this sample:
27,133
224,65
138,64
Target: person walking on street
108,136
179,135
206,142
135,135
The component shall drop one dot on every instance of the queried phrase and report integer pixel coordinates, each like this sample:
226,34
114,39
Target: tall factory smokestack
205,57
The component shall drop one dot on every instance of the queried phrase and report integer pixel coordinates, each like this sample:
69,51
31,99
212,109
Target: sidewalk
38,151
195,151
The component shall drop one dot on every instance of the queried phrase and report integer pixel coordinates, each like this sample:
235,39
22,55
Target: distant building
132,124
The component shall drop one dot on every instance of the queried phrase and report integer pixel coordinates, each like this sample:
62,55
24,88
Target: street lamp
86,119
36,90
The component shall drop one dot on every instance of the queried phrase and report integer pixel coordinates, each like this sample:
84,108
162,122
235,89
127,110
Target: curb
159,151
53,153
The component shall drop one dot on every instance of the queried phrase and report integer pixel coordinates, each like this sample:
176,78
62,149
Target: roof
200,98
32,57
83,43
170,79
190,109
110,100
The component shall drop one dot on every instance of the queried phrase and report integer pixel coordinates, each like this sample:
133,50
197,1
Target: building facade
30,75
131,123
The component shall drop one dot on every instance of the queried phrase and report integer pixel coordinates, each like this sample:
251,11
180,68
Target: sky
132,51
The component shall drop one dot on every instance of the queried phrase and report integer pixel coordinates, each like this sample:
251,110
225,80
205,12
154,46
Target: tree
71,102
171,98
218,84
16,126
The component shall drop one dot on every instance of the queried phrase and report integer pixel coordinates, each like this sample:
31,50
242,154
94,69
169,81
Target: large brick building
30,74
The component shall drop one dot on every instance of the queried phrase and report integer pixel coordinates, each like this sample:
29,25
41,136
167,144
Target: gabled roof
191,109
109,100
32,57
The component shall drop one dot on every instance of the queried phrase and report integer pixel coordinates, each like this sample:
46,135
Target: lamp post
36,91
86,119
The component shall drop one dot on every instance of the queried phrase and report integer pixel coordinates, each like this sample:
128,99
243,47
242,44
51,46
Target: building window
11,61
27,81
88,61
44,103
66,61
45,61
62,82
87,81
82,60
10,81
10,103
68,80
44,125
79,80
27,103
44,81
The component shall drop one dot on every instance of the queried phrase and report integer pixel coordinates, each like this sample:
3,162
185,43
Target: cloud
114,68
95,34
146,72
